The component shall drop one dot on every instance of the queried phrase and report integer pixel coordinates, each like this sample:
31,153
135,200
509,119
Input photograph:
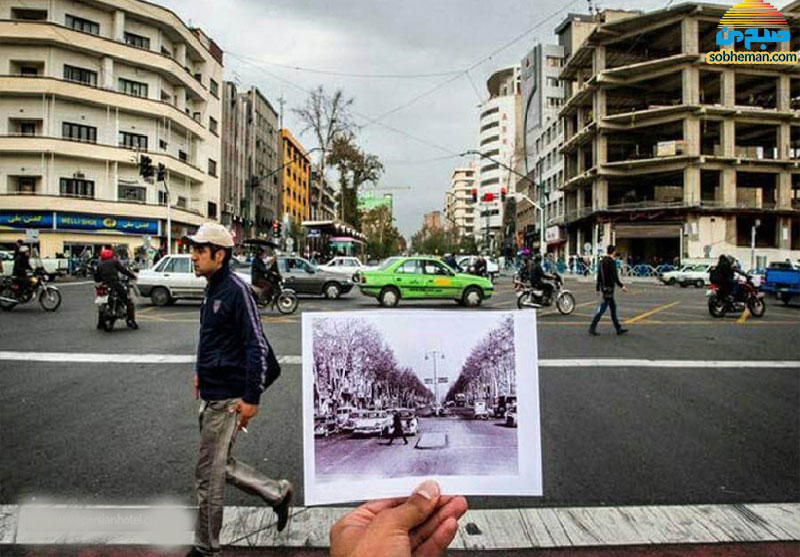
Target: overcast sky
378,37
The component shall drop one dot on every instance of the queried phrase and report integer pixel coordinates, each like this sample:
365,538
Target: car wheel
332,291
160,296
472,297
389,297
671,281
684,285
699,283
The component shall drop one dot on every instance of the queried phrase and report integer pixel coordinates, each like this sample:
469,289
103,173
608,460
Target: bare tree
327,116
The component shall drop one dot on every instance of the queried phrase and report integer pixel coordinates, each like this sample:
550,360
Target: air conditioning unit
228,208
79,175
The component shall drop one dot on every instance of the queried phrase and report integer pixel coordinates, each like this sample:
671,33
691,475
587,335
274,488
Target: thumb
418,507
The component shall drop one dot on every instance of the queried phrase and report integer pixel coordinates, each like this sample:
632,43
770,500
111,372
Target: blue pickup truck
782,279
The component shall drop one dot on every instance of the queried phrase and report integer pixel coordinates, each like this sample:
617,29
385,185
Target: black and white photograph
390,399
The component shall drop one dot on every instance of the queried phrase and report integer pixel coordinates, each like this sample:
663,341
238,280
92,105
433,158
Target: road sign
429,381
587,247
289,244
32,235
443,380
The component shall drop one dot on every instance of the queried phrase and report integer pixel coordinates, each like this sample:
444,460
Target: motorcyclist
258,273
22,266
538,277
725,278
274,277
107,272
480,266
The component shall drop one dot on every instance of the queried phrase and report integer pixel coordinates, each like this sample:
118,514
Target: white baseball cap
212,233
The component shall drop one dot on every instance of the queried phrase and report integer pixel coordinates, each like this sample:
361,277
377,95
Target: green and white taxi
422,278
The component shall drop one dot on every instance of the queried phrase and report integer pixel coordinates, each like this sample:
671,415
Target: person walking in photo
607,281
397,429
235,364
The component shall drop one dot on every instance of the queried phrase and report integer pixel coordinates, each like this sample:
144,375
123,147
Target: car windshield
387,263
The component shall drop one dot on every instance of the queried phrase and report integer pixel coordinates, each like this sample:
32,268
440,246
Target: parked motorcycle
13,293
748,297
285,299
110,306
530,297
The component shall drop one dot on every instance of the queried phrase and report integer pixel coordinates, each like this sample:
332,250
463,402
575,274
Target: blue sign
26,219
76,221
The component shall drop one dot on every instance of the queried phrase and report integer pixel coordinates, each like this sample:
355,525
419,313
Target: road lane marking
520,527
647,314
84,357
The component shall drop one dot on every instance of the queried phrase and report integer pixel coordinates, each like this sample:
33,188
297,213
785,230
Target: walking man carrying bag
235,364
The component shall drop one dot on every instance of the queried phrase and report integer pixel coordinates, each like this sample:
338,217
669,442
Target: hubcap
473,298
332,291
390,298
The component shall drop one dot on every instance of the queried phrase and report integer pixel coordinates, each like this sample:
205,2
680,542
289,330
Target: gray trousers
216,467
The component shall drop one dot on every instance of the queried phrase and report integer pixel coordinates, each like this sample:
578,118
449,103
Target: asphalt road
445,446
126,433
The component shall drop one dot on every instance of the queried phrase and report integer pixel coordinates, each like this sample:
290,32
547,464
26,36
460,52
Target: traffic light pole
169,218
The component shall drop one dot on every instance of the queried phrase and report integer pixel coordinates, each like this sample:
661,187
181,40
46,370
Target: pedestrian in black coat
607,281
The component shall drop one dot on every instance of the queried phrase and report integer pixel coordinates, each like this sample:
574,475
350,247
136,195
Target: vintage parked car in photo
511,416
343,418
370,422
324,426
422,278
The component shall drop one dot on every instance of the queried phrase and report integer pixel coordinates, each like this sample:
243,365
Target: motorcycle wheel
7,293
287,303
716,307
107,320
50,298
565,303
756,306
523,301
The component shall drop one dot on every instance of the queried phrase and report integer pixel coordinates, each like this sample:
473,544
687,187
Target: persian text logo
760,23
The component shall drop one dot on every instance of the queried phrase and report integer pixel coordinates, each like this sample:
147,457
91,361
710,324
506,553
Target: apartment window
26,184
80,75
28,71
165,51
162,144
213,88
212,124
554,61
199,78
134,88
162,198
212,167
137,41
74,187
133,141
131,194
552,81
181,202
196,117
28,15
27,128
490,125
212,210
82,25
78,132
183,156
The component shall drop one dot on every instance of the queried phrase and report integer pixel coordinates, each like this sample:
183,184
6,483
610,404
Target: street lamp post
433,355
537,206
756,224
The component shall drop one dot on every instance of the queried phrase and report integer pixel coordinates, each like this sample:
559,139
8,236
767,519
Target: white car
172,279
370,422
492,266
698,276
671,277
52,266
343,264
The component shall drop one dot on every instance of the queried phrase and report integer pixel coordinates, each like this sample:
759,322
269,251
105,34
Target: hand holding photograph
390,398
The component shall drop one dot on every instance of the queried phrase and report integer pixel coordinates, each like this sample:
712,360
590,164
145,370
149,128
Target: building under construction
670,157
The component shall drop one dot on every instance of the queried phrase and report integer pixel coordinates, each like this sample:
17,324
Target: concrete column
728,186
599,61
601,150
784,92
599,104
785,233
180,53
728,81
119,26
579,241
691,136
784,133
691,185
600,197
690,81
690,36
180,98
785,190
107,71
728,133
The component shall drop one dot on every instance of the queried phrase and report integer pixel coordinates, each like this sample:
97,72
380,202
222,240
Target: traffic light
276,228
488,197
474,195
503,194
145,166
162,172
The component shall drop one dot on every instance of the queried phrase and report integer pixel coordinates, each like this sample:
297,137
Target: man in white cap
235,364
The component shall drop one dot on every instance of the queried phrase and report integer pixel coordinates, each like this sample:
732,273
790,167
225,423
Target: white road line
62,284
89,358
496,529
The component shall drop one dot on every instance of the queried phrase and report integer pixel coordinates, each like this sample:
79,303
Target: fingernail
429,489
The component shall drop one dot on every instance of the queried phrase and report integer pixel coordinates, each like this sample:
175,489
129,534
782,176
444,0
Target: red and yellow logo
753,14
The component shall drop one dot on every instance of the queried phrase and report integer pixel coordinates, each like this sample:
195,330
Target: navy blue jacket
233,355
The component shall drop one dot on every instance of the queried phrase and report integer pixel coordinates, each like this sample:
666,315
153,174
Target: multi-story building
86,88
234,177
542,98
322,199
432,220
669,157
459,211
500,122
296,177
262,202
